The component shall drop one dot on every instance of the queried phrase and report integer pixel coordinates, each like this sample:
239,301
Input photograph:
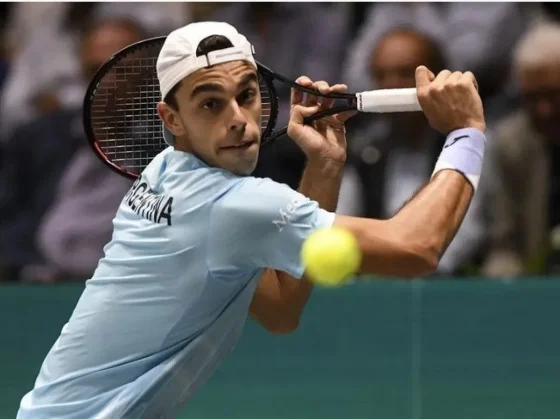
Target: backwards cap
177,58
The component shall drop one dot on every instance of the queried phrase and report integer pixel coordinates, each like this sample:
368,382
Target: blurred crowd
57,200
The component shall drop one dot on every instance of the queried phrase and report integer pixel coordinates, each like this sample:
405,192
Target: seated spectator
525,160
318,56
42,38
38,153
79,224
391,156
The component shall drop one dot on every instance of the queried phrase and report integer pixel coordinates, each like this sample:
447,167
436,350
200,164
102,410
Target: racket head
120,108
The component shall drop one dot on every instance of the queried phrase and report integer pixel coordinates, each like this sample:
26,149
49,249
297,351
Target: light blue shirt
170,297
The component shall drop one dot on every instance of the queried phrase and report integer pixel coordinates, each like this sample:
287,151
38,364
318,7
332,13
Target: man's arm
412,242
471,234
279,299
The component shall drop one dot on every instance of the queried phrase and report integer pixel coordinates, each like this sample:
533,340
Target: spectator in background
474,36
44,72
525,160
276,29
391,156
78,225
155,18
42,39
38,153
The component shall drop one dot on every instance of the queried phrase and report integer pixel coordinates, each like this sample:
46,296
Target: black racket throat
120,108
264,71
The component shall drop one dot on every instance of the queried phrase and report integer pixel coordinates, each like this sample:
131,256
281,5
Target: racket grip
388,100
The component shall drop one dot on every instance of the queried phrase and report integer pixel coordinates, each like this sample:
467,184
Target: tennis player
199,243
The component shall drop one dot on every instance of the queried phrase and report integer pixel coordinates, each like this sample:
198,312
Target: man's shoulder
179,170
253,189
256,201
189,182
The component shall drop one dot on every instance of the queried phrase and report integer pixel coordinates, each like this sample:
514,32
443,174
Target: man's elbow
413,258
422,262
423,253
283,326
279,321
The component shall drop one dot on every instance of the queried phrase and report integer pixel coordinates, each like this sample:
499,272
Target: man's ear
171,119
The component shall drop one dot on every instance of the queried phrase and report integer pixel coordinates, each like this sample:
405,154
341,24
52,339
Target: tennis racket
124,129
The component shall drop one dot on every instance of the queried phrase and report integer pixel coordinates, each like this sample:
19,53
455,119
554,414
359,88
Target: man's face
540,89
219,116
395,59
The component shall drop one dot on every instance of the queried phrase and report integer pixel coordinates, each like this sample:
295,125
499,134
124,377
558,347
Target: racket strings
124,111
266,103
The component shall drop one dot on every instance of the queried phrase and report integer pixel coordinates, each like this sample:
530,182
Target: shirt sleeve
262,224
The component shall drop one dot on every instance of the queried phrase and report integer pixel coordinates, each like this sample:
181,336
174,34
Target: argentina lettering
148,204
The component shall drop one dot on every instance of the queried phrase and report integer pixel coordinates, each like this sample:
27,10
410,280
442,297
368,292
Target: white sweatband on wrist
463,152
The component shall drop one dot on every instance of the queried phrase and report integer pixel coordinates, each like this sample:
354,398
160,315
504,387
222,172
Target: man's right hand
450,101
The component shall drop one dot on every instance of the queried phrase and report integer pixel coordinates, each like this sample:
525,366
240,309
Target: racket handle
388,100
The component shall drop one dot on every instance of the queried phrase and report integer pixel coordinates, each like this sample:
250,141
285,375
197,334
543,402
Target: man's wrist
478,125
325,165
321,182
463,152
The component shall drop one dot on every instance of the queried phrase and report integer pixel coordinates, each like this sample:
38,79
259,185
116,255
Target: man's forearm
431,220
321,182
436,212
411,243
280,298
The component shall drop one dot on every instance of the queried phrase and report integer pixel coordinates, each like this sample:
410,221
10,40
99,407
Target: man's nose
238,121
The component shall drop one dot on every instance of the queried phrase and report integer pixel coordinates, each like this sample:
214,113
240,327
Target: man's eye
248,95
211,104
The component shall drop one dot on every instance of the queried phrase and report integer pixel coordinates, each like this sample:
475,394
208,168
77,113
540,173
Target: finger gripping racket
124,129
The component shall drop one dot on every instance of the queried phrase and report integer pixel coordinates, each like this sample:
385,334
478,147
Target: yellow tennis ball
330,256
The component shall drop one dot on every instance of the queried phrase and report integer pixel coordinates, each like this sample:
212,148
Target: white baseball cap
177,58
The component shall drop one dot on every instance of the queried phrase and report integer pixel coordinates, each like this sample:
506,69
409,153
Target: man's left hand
324,139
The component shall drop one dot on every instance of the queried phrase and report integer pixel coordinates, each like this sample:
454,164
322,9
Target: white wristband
463,152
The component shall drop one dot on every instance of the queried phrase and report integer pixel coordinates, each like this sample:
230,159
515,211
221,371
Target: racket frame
270,75
90,94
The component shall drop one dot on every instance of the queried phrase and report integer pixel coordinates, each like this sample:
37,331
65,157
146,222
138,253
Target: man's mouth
241,146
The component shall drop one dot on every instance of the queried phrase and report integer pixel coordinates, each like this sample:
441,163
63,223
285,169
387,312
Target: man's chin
246,169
